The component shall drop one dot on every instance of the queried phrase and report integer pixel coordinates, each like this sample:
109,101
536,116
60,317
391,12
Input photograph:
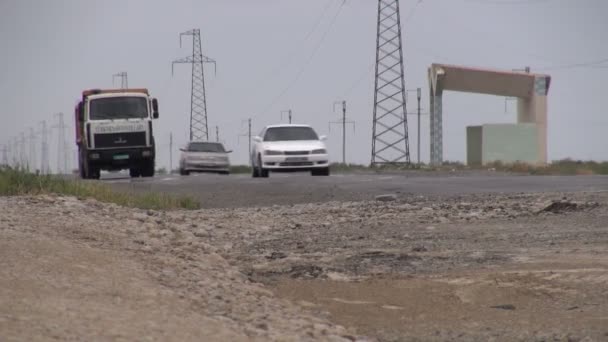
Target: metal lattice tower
199,129
44,149
124,79
390,141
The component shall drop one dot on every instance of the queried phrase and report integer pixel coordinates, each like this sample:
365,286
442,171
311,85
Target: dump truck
114,132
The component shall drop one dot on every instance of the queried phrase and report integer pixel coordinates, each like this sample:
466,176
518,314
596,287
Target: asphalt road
216,191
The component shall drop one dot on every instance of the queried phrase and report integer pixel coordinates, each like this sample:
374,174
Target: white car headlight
272,153
319,151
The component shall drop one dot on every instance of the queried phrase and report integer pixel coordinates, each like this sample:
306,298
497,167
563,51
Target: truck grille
127,139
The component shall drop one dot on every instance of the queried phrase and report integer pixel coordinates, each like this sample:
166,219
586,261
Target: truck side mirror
80,112
155,108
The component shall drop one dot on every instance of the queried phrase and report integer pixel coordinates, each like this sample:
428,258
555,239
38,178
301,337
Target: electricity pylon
390,141
199,129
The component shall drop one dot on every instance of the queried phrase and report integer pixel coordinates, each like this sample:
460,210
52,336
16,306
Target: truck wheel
134,172
81,171
92,172
184,172
148,169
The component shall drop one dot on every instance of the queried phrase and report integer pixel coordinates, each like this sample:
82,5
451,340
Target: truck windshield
290,133
125,107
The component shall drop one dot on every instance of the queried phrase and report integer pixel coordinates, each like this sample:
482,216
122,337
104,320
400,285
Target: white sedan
289,148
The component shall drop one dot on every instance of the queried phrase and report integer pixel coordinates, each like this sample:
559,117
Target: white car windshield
290,134
206,147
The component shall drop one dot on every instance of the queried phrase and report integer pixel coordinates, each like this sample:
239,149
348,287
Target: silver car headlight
273,153
319,151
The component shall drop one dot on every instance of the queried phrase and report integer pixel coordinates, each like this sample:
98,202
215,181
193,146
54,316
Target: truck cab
114,132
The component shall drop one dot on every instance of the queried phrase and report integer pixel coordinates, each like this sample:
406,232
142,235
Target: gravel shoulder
121,274
474,267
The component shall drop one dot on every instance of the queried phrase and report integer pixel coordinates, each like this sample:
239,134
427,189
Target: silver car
202,156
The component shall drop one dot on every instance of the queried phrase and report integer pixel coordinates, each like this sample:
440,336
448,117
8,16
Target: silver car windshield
206,147
290,134
124,107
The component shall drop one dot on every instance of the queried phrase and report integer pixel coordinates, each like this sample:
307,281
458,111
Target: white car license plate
296,159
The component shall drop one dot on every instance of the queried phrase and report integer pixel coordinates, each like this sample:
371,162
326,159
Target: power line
294,53
508,2
308,61
595,63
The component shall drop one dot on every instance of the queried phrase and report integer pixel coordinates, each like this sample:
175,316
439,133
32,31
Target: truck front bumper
121,157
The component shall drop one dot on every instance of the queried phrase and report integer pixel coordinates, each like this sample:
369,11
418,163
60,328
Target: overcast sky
52,50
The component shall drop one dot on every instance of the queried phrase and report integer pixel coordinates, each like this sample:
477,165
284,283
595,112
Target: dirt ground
529,267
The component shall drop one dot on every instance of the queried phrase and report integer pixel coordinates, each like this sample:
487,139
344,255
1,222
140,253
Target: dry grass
19,182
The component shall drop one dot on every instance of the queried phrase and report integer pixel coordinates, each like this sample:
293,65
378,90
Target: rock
504,307
557,207
386,198
141,217
276,255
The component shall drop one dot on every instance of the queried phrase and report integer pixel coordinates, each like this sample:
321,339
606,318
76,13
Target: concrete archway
530,90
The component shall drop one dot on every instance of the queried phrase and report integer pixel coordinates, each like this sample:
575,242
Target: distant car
202,156
289,148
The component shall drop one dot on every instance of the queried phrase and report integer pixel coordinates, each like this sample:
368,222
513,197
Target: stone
386,198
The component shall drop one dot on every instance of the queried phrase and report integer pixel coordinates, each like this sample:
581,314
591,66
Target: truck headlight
146,153
94,155
273,153
319,151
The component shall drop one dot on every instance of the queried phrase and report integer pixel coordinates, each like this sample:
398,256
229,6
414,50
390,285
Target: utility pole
15,152
343,122
419,96
419,114
288,114
199,129
124,79
22,156
61,145
248,135
32,155
44,149
5,150
217,133
170,152
390,141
